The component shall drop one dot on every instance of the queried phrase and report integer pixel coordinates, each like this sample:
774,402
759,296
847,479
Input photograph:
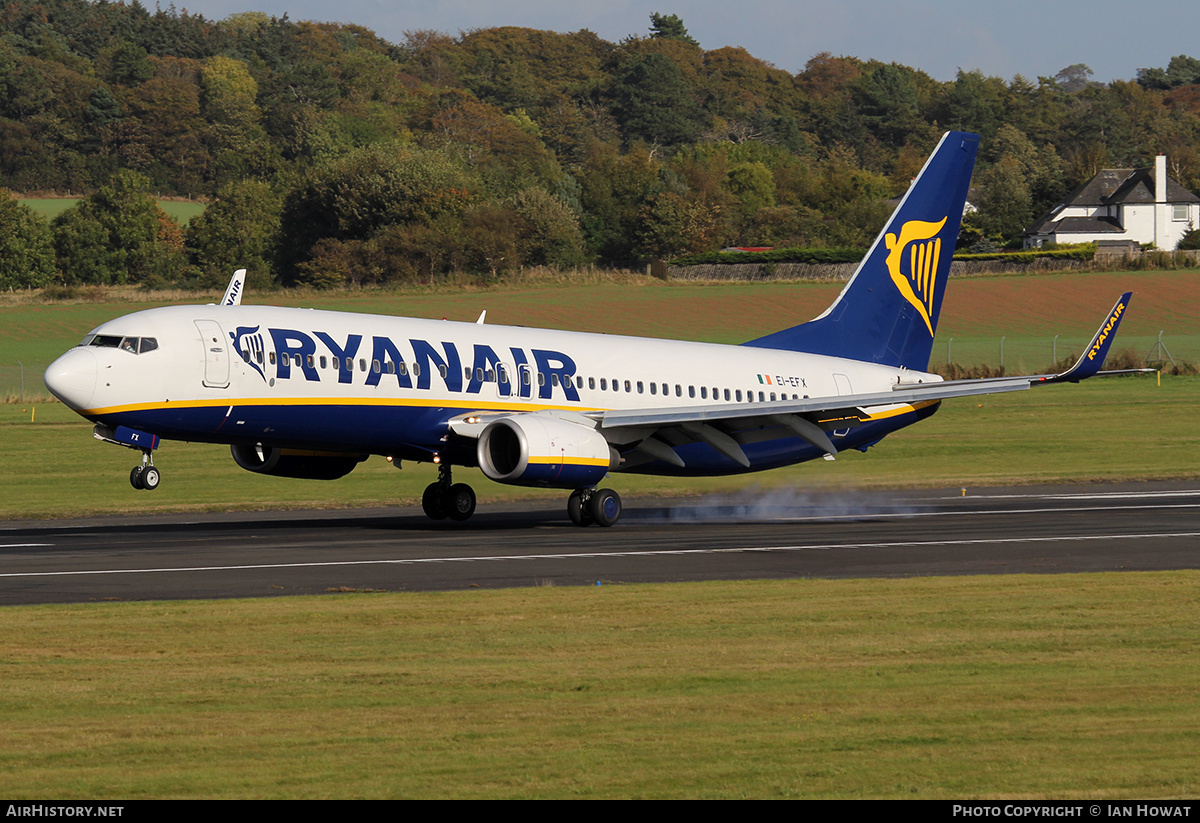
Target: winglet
1092,360
233,294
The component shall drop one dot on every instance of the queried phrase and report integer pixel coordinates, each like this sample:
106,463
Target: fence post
1160,347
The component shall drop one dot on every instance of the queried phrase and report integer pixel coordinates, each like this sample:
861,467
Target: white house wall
1173,230
1138,220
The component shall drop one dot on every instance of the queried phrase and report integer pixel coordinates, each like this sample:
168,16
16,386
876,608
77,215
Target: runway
747,535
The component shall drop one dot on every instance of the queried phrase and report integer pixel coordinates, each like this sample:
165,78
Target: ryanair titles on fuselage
413,363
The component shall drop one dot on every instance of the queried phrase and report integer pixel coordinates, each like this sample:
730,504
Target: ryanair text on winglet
1108,327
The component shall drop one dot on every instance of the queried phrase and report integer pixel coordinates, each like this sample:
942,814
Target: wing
645,435
725,428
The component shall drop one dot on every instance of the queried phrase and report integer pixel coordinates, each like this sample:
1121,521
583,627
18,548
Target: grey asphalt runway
746,535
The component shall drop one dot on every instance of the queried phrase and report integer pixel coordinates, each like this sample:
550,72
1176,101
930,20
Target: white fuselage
389,385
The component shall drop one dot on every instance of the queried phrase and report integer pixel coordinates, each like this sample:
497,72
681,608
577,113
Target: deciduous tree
240,229
118,235
26,253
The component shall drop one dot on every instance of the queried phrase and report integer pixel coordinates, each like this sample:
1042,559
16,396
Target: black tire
434,502
135,477
460,502
577,508
605,507
150,478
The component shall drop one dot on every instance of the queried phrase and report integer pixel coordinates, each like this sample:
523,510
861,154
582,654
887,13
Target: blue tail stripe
888,311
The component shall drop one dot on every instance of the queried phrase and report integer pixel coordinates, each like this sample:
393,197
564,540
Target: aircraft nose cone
72,377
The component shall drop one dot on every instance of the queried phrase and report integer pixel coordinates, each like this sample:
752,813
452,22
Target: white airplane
310,394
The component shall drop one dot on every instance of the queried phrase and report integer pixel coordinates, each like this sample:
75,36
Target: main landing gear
599,506
445,498
145,476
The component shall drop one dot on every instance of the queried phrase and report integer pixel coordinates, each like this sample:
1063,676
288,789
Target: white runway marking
906,544
1079,495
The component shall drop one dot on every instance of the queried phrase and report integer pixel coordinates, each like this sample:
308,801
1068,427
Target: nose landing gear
145,477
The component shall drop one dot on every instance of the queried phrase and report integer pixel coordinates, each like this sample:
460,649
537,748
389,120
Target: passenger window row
500,374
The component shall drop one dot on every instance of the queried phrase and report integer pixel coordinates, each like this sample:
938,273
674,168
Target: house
1140,205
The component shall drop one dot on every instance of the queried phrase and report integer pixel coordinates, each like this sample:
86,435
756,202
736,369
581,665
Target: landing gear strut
445,498
599,506
145,476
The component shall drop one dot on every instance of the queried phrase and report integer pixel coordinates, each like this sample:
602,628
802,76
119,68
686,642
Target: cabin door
216,354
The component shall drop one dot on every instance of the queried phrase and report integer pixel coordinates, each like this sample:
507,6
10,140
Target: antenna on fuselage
482,315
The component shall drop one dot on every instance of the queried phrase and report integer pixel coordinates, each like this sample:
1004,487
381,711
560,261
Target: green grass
1021,686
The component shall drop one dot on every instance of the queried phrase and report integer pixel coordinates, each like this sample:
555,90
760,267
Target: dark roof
1125,186
1138,187
1091,225
1096,191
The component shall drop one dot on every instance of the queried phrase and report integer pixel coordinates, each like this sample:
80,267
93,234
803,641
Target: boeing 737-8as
310,394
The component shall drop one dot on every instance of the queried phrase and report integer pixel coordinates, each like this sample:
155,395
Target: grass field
1079,686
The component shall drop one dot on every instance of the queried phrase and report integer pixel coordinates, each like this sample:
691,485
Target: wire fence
21,381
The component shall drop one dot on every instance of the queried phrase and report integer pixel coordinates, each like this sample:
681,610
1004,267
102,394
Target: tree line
330,156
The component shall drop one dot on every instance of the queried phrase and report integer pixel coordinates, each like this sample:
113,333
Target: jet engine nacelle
308,465
541,450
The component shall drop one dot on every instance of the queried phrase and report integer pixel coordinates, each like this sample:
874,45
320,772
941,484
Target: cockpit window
134,345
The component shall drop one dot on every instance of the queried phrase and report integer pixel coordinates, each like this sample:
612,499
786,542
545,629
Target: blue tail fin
888,312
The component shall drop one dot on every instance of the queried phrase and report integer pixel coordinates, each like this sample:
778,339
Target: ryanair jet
311,394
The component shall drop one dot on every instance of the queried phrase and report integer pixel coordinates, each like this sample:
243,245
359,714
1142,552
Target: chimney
1160,178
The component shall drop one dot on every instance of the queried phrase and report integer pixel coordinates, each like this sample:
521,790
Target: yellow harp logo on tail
924,251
